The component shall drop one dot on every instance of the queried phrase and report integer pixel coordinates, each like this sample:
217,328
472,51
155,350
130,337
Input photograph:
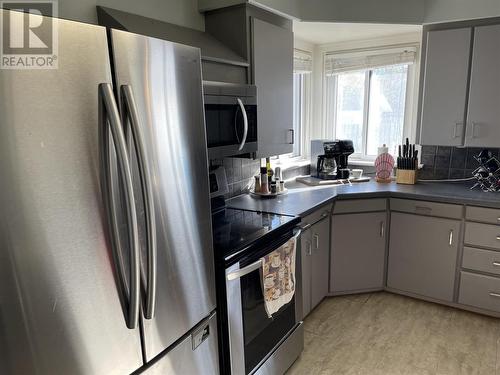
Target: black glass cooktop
235,230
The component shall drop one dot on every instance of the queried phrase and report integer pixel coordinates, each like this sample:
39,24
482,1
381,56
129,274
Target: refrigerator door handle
129,111
109,114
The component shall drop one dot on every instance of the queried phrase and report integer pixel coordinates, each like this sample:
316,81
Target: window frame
409,124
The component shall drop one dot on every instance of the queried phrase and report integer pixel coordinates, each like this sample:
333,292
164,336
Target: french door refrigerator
105,230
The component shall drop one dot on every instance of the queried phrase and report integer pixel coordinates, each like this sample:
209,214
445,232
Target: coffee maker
329,159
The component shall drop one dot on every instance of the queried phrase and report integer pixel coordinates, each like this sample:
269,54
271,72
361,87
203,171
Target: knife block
406,176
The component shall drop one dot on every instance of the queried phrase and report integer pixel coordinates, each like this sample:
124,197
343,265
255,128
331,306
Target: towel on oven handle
278,276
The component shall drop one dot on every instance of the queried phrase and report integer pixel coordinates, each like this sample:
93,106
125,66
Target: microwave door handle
245,124
244,271
129,110
109,114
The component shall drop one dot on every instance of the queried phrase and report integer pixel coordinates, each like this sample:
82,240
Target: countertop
302,199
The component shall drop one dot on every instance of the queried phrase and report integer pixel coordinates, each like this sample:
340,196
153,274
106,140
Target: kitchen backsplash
240,173
442,162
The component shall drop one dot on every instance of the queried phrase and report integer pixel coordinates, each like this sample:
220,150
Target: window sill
363,163
291,164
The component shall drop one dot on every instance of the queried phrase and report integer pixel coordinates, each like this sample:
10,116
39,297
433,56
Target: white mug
356,173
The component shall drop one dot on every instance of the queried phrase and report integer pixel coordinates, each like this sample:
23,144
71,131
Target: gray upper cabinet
358,252
444,92
423,255
272,63
483,119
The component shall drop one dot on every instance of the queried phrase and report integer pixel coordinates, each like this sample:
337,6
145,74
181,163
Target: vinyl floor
388,334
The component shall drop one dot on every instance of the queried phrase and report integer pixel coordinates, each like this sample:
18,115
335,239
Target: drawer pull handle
498,238
498,218
492,294
496,264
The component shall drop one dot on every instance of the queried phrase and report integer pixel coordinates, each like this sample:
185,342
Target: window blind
355,61
302,62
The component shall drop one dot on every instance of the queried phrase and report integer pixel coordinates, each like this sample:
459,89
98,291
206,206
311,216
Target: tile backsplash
443,162
240,173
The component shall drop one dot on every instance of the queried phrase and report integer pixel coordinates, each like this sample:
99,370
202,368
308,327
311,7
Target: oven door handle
255,265
244,271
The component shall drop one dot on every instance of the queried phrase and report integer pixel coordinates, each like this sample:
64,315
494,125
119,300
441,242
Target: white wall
180,12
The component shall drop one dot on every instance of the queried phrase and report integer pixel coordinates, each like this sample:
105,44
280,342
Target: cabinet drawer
480,291
317,215
452,211
481,260
486,215
359,205
482,235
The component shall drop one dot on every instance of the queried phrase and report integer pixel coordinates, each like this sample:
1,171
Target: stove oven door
253,335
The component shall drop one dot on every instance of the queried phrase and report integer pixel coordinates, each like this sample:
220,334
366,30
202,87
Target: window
368,105
298,111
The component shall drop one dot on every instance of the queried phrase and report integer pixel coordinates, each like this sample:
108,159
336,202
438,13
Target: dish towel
278,276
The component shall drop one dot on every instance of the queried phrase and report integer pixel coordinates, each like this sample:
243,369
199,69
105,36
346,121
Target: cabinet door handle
450,241
308,248
316,241
473,129
493,294
292,136
498,238
382,228
455,133
496,264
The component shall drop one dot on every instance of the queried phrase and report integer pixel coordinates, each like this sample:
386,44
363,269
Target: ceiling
327,32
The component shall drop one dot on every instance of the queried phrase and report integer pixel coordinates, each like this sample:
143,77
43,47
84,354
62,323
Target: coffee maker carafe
326,167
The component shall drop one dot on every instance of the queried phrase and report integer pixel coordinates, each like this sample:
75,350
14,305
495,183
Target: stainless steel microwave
230,118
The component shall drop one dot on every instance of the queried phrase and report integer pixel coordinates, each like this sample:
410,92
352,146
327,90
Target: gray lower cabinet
480,291
314,262
358,252
320,261
423,255
306,270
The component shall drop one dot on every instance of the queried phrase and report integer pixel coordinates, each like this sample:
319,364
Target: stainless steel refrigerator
105,230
